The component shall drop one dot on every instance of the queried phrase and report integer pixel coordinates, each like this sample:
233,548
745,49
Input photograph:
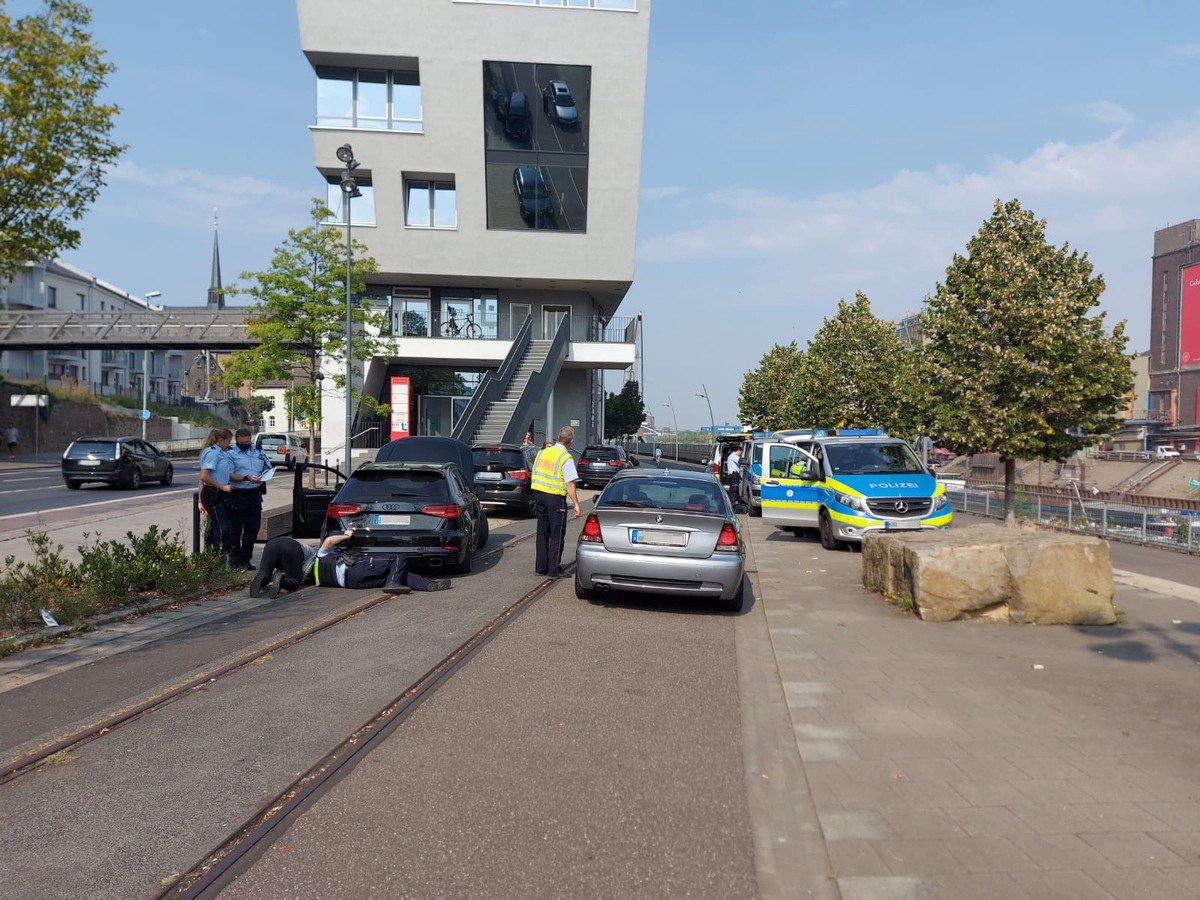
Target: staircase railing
541,383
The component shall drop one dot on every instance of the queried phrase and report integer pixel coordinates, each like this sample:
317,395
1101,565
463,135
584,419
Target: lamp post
674,426
349,191
712,423
145,414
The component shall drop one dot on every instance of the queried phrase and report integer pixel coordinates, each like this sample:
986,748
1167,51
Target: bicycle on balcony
468,329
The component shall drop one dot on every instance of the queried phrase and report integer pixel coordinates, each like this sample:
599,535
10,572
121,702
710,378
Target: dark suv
502,477
127,461
427,511
598,464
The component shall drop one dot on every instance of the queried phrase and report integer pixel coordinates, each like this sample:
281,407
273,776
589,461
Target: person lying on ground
327,566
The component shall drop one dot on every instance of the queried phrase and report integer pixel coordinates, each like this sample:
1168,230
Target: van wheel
755,511
828,541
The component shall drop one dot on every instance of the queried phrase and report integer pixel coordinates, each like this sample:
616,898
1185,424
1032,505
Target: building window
362,206
80,302
51,298
368,98
430,204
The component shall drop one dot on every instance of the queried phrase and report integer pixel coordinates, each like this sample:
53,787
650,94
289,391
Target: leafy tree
299,315
54,132
1012,361
248,412
623,412
855,374
764,402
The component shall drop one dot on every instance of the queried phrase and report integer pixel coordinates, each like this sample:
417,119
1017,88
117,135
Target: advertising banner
400,407
1189,316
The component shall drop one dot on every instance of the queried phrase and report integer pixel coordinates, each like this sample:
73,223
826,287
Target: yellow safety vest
547,474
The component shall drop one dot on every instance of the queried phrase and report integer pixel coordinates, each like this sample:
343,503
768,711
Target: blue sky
794,153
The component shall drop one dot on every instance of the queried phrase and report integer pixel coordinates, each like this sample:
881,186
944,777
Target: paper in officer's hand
267,475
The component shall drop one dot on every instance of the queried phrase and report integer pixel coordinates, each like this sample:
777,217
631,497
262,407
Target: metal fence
1171,529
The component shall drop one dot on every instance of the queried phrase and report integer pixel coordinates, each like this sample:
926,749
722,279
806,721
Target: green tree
1012,361
54,132
855,374
299,316
765,398
623,412
248,412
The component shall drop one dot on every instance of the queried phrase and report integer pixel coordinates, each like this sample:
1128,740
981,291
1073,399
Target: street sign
143,414
30,400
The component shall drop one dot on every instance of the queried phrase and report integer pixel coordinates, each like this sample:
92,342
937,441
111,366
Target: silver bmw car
666,532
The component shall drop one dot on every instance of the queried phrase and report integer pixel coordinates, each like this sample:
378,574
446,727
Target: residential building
498,148
1174,364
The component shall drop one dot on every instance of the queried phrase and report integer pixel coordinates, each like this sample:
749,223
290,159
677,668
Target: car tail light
582,462
728,538
282,451
591,530
518,474
615,462
342,510
445,511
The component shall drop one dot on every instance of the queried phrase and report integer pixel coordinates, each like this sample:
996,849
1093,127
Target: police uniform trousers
245,517
220,527
551,512
368,571
284,555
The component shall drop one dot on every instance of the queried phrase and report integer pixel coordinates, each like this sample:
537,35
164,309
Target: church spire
216,297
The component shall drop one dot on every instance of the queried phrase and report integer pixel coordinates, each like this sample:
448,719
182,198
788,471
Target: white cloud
1109,113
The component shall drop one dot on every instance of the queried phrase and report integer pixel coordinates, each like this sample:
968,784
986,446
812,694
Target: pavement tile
827,732
1043,767
989,854
1143,884
1058,851
887,888
1062,884
1189,877
975,886
918,857
825,750
1049,818
918,824
1130,850
1113,790
1052,792
855,824
1112,817
925,793
1185,844
849,858
989,792
990,821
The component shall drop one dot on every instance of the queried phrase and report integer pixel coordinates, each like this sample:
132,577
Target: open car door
309,504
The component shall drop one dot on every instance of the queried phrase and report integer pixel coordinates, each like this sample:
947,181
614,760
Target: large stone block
1011,575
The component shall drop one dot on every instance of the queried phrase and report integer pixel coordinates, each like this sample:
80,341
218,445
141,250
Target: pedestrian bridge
177,328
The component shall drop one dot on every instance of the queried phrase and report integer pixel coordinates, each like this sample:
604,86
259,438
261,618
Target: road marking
168,493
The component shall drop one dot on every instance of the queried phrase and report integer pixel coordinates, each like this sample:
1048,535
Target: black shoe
249,567
395,587
276,587
539,573
257,582
438,584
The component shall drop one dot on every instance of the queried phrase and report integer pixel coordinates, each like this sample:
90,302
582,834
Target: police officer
553,481
245,500
216,467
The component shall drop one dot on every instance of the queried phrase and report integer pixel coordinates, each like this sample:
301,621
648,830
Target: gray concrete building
498,148
1174,363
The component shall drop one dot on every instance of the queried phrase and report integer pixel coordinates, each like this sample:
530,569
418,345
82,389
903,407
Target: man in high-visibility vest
553,481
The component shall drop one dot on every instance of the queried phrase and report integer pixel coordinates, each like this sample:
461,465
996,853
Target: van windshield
872,459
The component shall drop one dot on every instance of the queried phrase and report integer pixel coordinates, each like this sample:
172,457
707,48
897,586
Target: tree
299,316
54,133
249,412
1012,362
855,374
623,412
764,401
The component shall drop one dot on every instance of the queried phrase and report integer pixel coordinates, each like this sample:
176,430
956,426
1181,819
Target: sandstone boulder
1011,575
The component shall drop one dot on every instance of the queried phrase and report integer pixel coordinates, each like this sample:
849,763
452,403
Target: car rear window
81,449
374,486
601,453
665,493
510,459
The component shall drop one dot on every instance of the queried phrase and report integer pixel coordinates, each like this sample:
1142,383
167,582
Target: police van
843,483
750,490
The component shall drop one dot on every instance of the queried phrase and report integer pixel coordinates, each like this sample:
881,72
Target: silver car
662,531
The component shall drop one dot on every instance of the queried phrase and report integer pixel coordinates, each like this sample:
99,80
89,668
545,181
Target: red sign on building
1189,317
400,407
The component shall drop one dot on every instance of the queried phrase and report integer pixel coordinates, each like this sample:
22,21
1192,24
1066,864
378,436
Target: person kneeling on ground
330,567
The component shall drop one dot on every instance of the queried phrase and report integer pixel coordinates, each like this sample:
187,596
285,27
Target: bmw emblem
658,519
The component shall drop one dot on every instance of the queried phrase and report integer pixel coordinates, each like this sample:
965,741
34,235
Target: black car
529,184
425,510
598,464
127,461
516,115
502,477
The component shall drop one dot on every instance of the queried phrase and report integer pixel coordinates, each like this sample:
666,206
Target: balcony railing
584,329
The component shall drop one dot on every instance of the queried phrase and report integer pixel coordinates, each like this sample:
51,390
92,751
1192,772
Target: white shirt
733,463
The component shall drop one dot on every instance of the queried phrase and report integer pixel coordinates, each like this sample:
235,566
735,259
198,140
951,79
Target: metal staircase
500,414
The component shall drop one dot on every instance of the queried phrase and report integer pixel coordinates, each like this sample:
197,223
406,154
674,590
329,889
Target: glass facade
368,98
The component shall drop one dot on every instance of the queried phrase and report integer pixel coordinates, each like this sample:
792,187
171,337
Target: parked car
502,472
532,452
598,464
669,532
516,115
559,105
127,461
424,510
534,197
282,448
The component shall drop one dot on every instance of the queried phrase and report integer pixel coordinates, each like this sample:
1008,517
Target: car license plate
393,520
902,526
488,476
658,538
89,462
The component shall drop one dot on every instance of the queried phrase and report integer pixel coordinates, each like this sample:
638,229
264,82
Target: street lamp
349,191
145,414
712,423
674,426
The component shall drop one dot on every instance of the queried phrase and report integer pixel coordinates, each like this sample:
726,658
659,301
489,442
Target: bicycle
468,329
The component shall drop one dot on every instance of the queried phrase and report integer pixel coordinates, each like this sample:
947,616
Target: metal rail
177,328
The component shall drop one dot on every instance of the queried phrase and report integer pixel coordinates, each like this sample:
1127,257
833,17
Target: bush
110,575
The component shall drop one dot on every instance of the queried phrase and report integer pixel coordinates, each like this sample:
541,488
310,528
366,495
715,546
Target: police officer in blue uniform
245,498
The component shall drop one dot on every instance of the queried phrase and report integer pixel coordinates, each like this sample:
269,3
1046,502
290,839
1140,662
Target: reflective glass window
362,208
372,99
335,96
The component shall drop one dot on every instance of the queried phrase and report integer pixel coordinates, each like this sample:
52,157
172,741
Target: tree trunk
1010,493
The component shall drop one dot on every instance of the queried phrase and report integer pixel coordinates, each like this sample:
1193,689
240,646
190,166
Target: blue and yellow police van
843,483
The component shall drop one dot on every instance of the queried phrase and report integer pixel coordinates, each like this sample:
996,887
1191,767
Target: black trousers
245,517
286,556
220,526
551,512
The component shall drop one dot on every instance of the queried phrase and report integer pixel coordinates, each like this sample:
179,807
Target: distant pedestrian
528,442
658,456
11,436
216,468
246,498
553,481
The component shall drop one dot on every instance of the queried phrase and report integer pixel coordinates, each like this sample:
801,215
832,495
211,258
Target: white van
1165,452
282,448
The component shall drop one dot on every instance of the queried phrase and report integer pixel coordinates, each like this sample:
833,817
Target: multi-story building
1175,335
57,287
498,148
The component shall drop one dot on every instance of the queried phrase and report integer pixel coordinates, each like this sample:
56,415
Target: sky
794,153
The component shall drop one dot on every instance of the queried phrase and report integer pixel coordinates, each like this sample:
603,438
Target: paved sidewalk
978,760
